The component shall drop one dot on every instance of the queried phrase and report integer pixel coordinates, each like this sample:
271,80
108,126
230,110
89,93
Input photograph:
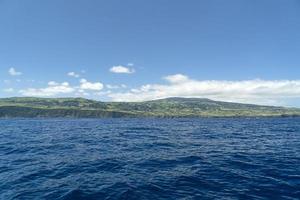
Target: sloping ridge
170,107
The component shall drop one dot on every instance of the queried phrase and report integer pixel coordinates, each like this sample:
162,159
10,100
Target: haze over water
205,158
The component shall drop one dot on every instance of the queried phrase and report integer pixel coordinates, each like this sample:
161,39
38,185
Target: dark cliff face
170,107
27,112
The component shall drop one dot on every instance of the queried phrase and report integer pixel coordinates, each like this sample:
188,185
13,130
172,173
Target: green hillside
170,107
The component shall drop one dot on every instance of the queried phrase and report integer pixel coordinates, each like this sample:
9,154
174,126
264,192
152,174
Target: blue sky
233,50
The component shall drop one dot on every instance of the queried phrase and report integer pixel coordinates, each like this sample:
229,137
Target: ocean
184,158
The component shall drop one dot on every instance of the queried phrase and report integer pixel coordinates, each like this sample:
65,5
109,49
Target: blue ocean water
206,158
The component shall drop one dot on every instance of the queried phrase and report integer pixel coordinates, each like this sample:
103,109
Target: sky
136,50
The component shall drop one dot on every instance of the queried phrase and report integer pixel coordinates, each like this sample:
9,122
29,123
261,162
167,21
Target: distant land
31,107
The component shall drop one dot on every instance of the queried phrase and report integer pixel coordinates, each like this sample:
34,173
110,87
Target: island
31,107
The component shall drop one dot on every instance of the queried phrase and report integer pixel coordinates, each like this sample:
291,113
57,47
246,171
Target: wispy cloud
9,90
109,86
177,78
121,69
13,72
53,89
86,85
272,92
73,74
246,91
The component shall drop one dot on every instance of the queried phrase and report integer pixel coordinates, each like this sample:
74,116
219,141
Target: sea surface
206,158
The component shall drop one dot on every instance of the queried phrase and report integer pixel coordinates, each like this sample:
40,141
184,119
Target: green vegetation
170,107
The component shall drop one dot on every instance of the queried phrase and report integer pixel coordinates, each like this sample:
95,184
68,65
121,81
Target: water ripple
223,158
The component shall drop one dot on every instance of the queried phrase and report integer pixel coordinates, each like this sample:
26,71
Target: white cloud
116,86
130,64
247,91
177,78
85,85
112,86
103,93
53,89
53,83
8,90
81,92
121,69
73,74
13,72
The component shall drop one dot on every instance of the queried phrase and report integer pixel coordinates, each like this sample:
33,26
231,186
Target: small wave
150,159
